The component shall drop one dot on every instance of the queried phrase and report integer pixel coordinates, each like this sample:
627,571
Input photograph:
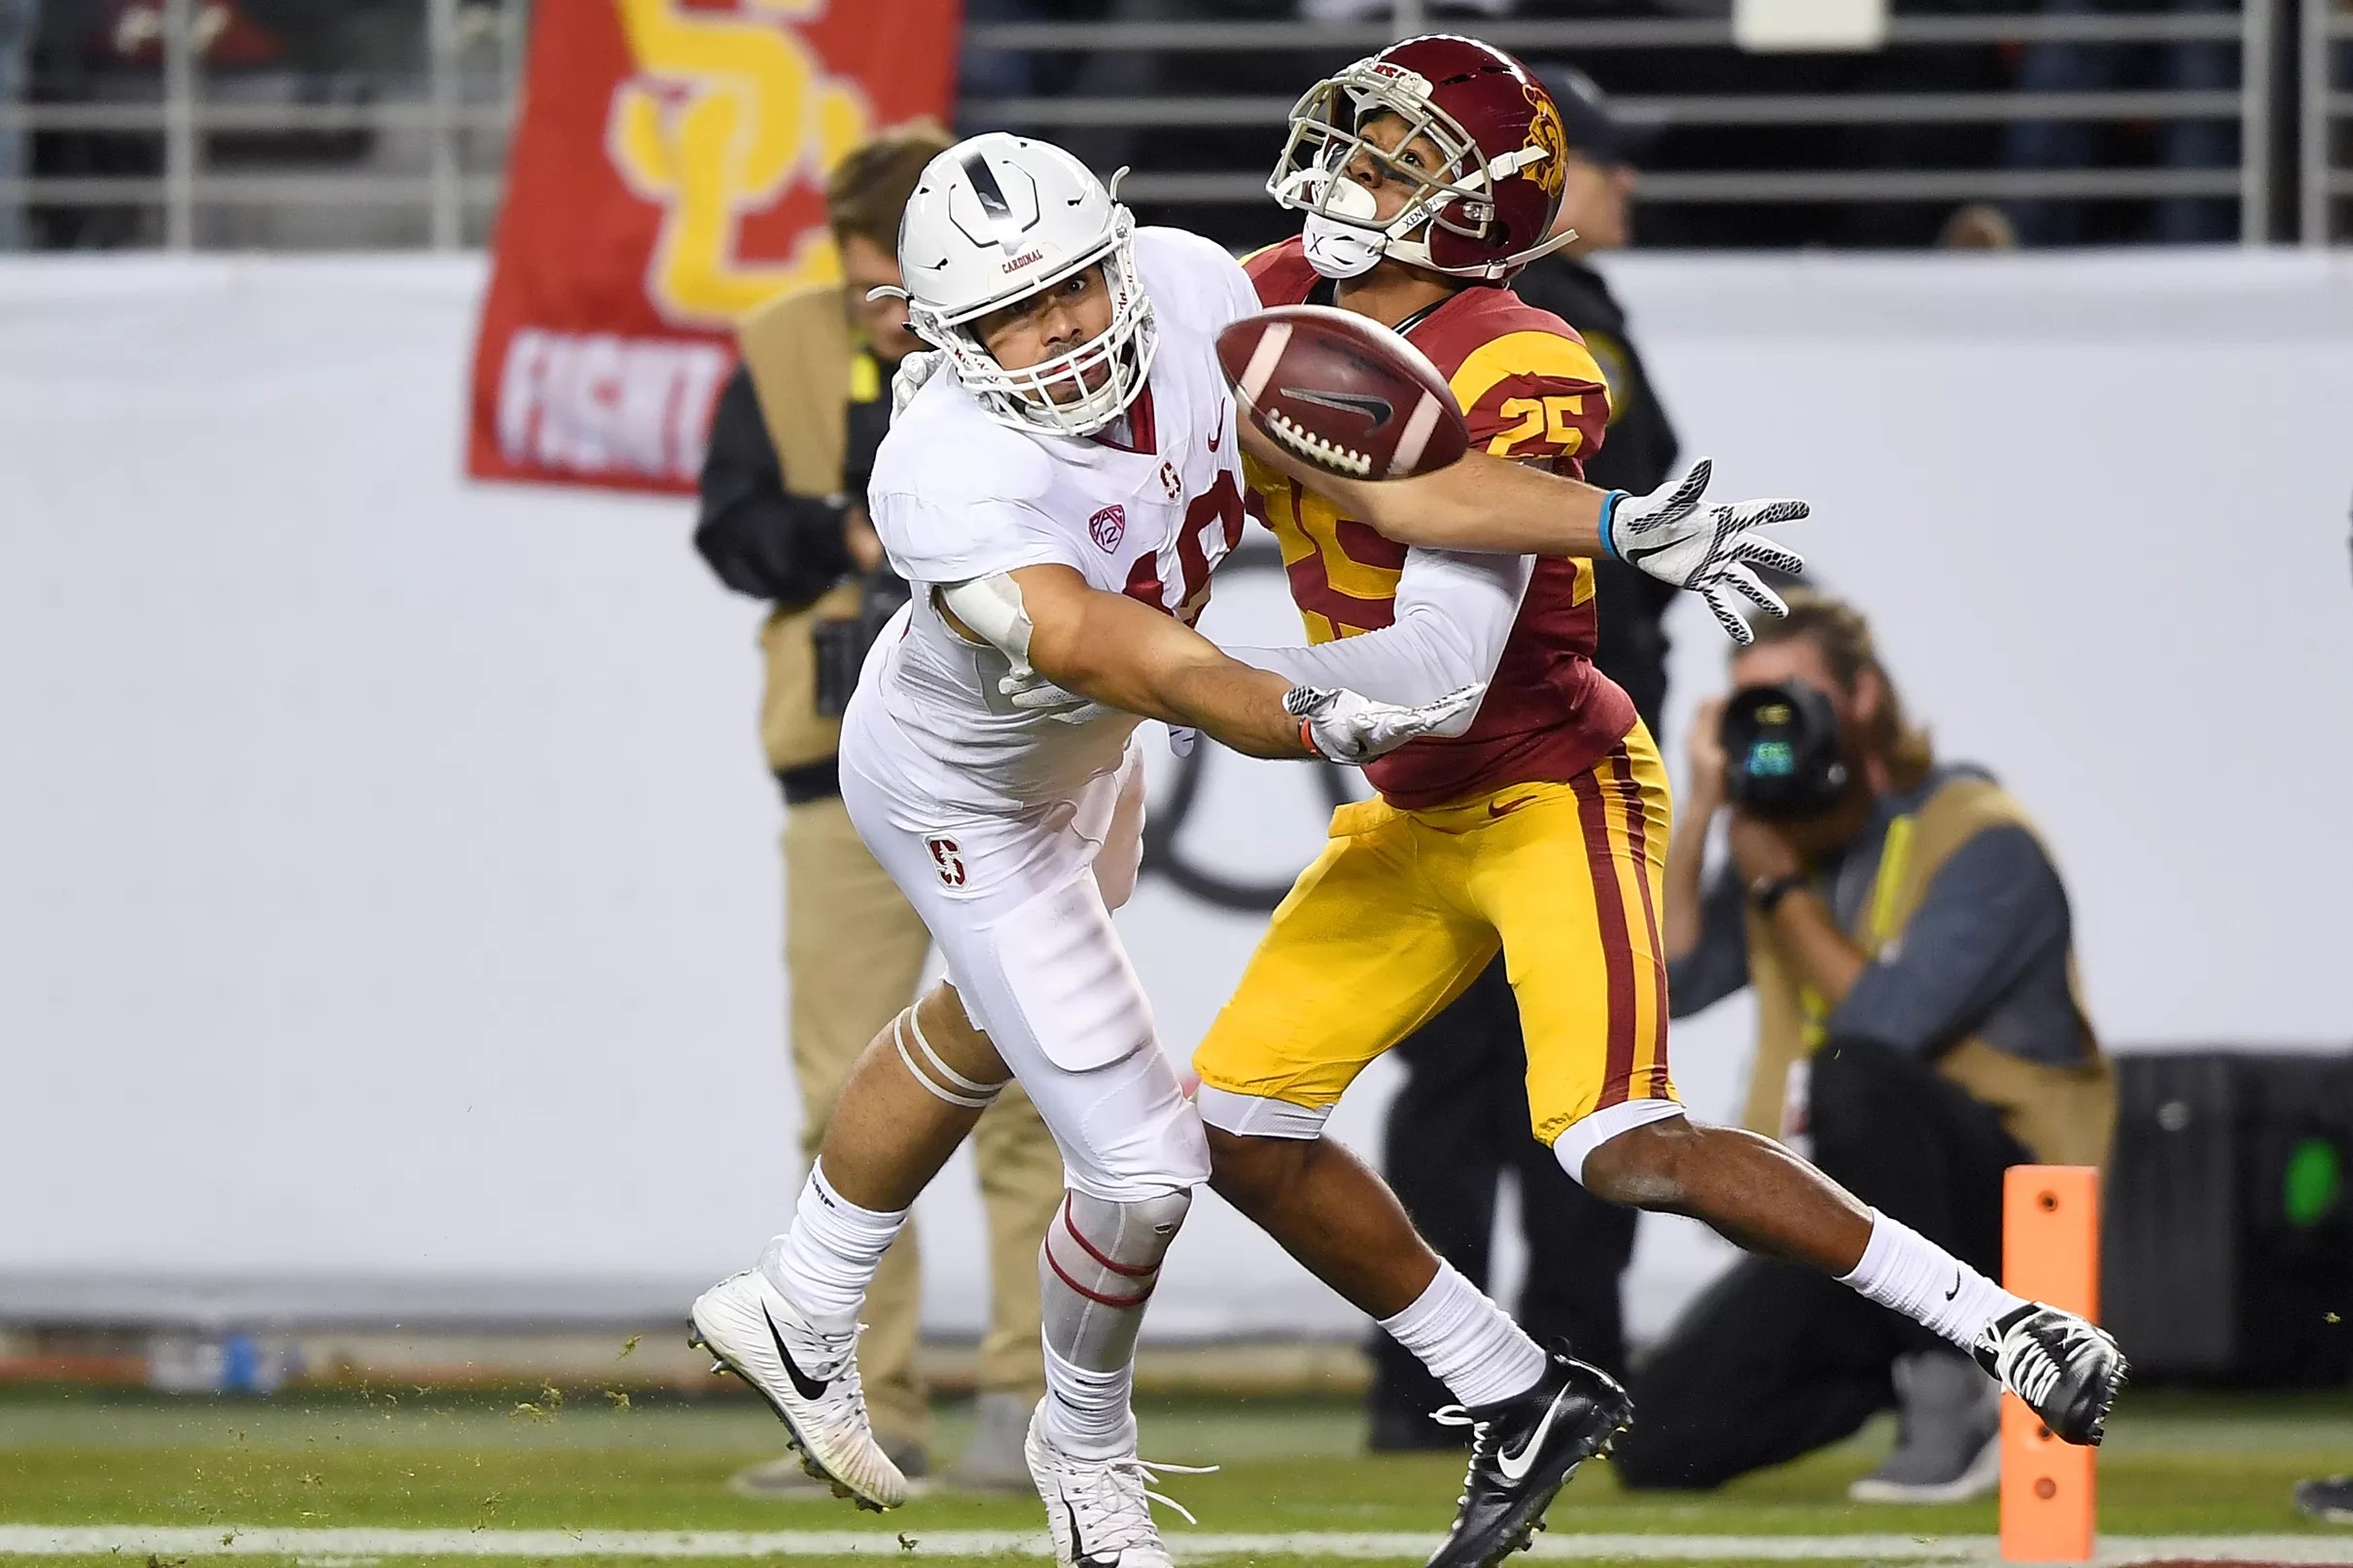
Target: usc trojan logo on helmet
727,115
1544,133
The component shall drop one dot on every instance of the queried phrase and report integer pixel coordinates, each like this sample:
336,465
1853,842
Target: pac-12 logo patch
1108,527
948,861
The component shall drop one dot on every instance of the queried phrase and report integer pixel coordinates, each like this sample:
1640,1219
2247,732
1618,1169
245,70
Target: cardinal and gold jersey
1531,393
1541,833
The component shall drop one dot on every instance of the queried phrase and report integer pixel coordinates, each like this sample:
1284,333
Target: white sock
827,1260
1467,1342
1090,1414
1903,1269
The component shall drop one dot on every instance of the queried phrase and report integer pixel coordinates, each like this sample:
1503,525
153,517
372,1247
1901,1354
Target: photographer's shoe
2329,1501
1523,1452
2066,1368
1949,1434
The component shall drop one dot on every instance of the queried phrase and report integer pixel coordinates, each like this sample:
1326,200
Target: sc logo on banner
725,116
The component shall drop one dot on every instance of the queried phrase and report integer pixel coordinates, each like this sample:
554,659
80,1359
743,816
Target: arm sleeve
760,539
1454,612
1991,910
1718,965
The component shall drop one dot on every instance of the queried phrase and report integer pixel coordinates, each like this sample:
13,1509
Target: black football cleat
2066,1368
1523,1452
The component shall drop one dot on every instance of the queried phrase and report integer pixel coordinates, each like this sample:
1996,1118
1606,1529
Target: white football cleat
1100,1511
808,1376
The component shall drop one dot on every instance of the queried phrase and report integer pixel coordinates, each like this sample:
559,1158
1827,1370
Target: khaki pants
854,952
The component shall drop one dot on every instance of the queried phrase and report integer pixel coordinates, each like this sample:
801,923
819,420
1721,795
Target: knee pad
1096,1268
1110,1252
1066,978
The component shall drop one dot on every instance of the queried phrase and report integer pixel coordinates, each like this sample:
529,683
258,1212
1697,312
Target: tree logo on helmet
1545,134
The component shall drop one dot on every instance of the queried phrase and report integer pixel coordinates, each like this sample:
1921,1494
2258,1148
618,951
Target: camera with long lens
842,642
1781,751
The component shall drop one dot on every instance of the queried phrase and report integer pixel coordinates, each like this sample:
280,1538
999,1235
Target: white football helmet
998,218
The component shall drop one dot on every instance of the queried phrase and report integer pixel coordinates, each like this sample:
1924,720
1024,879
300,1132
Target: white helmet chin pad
1340,234
998,219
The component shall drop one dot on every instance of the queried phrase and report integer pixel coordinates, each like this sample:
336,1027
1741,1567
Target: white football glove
1348,729
913,372
1033,693
1709,549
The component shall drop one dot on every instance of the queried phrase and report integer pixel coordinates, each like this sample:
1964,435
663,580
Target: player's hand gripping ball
1342,393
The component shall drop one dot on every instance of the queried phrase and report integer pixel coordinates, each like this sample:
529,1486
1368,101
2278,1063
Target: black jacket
1639,456
761,539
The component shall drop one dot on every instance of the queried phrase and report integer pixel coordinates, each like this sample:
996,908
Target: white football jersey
1149,509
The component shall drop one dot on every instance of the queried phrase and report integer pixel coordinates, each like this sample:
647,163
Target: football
1342,391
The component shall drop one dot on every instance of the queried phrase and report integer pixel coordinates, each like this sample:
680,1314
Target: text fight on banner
667,176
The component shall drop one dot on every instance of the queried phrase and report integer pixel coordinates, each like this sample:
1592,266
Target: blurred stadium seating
369,124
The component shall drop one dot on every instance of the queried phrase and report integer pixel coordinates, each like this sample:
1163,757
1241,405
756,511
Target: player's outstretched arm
1453,614
1481,502
1476,502
1111,650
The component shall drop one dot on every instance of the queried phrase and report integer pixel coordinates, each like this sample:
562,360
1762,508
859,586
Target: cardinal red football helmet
1488,210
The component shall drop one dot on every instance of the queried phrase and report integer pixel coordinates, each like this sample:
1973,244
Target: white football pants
1020,907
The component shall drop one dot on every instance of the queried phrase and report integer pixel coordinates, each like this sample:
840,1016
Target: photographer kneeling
1918,1019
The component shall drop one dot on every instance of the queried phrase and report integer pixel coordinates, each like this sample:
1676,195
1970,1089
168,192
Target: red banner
667,176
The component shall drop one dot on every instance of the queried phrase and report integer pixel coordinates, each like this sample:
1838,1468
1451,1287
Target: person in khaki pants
791,442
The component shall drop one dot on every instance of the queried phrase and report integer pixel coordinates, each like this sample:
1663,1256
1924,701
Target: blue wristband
1609,512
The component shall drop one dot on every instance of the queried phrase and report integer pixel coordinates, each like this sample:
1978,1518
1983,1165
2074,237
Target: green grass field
2175,1466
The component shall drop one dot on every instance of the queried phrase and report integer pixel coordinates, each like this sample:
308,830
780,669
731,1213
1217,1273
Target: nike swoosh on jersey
1516,1465
1217,436
810,1388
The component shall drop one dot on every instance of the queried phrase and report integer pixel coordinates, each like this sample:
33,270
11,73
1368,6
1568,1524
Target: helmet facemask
1023,399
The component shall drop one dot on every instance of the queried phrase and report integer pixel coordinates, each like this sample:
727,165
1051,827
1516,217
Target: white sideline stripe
40,1541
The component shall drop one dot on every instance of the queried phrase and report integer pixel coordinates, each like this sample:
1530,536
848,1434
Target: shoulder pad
943,443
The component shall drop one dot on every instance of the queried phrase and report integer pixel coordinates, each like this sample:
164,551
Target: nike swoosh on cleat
1079,1557
1514,1467
810,1389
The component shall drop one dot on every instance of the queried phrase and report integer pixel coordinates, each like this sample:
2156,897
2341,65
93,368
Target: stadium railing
461,104
2325,121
